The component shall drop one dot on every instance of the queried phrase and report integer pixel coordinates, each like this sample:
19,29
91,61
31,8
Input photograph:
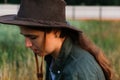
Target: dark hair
81,40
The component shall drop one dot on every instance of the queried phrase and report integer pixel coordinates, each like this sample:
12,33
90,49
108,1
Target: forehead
27,30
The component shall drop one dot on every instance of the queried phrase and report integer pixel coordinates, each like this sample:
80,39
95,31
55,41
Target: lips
35,51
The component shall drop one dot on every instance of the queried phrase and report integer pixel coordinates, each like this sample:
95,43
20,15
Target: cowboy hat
39,13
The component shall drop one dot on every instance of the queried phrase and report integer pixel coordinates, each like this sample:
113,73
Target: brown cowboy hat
39,13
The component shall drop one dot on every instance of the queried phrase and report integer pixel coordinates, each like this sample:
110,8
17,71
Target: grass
104,34
15,59
17,62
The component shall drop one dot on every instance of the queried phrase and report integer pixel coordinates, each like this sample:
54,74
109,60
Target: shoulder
79,55
84,65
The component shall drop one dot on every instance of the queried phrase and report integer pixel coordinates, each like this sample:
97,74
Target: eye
33,37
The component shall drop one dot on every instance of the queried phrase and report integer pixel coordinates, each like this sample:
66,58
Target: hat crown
45,10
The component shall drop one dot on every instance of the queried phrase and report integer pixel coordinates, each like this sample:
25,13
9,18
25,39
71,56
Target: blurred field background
17,62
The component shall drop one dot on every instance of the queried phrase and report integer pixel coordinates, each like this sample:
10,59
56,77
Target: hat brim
11,19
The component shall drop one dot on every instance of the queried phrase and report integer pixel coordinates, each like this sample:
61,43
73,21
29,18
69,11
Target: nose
28,43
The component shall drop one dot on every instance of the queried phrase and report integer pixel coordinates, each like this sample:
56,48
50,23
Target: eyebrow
28,35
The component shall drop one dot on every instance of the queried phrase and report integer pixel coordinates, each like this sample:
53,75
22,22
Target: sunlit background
99,19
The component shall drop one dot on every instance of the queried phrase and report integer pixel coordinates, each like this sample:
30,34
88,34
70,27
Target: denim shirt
74,63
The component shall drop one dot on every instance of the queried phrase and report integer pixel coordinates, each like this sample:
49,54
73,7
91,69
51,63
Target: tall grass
104,34
17,62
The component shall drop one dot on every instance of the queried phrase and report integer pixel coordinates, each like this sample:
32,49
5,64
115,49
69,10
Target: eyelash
33,37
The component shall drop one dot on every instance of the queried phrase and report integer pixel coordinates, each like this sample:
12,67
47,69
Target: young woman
69,54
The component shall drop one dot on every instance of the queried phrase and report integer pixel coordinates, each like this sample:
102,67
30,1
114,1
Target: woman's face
41,43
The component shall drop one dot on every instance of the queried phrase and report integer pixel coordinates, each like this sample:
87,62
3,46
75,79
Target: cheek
50,45
38,43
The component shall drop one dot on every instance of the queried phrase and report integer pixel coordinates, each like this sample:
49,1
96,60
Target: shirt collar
63,55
